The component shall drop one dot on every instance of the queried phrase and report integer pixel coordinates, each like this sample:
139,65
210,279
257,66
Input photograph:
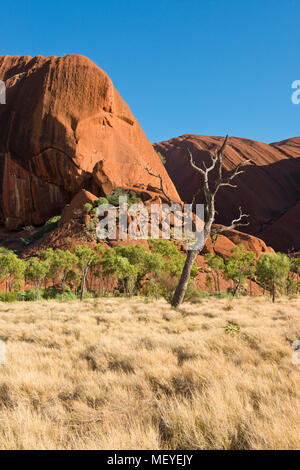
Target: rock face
269,190
285,229
64,128
226,241
75,208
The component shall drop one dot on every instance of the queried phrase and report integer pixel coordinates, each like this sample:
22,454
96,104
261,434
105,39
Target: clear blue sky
183,66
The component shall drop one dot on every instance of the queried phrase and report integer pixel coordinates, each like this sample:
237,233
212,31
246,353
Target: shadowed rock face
65,128
269,190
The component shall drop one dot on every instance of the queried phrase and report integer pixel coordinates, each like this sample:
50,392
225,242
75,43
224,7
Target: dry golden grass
128,374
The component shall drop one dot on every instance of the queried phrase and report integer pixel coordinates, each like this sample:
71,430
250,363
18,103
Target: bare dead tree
161,188
210,186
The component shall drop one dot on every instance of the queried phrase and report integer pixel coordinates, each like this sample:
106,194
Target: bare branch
225,181
236,172
206,169
222,148
193,164
217,161
235,223
195,195
229,184
163,190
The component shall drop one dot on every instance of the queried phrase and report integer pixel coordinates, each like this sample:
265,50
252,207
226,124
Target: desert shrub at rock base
50,225
113,197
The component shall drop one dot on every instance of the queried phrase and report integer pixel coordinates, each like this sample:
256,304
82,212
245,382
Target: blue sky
184,66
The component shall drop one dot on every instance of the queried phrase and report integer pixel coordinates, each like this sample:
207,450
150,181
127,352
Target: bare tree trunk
236,288
83,284
184,280
215,280
218,281
273,292
100,285
63,282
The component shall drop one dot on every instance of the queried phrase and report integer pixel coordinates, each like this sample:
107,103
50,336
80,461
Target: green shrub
87,207
153,289
57,294
51,292
221,295
8,296
50,225
92,224
162,158
293,286
163,286
232,329
66,296
133,198
89,294
102,200
117,293
29,295
192,294
113,197
204,294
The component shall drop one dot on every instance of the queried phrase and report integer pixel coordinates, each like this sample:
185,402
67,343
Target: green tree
167,275
216,265
64,263
118,267
126,273
209,283
143,260
75,277
239,267
36,272
11,268
272,272
293,284
48,255
85,257
96,267
172,255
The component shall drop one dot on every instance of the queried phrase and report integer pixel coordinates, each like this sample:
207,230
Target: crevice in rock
126,119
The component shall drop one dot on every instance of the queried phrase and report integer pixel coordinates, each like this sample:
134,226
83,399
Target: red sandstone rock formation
269,190
65,128
75,209
66,137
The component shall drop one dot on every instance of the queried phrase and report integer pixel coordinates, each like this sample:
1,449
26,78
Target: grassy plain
130,374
